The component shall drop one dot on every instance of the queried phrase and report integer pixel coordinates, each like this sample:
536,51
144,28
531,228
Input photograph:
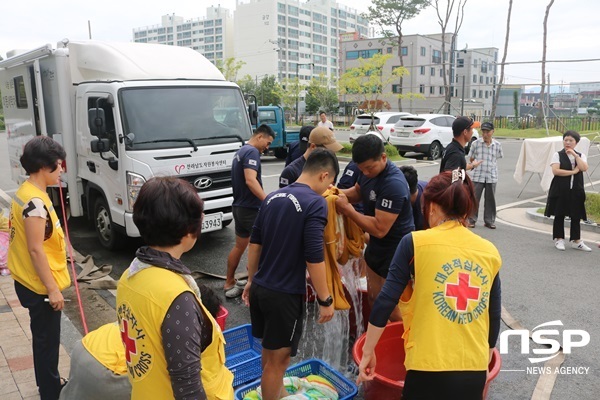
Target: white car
383,121
425,133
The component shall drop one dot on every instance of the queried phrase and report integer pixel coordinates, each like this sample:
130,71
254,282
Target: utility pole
298,87
462,103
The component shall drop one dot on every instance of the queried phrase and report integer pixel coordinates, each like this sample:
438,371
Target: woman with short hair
37,258
452,319
566,196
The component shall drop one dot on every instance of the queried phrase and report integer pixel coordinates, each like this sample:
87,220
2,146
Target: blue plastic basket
241,346
345,388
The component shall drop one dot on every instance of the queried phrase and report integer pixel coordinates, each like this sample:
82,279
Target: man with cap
454,154
298,147
487,150
319,137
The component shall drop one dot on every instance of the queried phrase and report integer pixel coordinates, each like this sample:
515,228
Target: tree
367,82
268,91
501,80
540,115
393,13
230,68
443,20
248,85
321,96
289,92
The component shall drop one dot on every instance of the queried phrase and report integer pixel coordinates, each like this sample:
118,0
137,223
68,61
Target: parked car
425,133
384,121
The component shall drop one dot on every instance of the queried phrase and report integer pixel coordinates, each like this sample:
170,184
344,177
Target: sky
573,29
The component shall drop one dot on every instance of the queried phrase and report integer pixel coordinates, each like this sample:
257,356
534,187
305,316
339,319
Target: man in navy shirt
298,147
248,193
385,196
319,137
287,238
454,154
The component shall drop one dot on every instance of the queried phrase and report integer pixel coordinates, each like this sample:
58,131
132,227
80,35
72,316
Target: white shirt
327,124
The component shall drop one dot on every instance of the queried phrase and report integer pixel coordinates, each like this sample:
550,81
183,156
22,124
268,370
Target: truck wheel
435,150
227,223
281,153
105,229
401,153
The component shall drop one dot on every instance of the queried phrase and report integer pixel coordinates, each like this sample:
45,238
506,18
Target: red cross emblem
129,342
463,291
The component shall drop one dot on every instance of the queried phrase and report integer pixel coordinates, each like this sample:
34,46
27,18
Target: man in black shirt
454,154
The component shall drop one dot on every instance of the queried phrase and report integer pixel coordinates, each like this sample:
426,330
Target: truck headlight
134,184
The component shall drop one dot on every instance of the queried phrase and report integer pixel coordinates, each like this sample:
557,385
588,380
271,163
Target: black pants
45,331
558,227
459,385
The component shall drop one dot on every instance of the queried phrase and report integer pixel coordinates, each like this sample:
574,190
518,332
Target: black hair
575,135
265,130
166,210
410,173
321,159
367,147
322,112
41,152
211,301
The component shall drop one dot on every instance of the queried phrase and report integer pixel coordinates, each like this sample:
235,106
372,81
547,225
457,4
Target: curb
534,215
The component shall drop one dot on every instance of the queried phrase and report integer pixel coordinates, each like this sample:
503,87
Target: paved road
539,283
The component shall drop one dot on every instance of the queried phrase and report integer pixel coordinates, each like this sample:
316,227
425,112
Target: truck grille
218,180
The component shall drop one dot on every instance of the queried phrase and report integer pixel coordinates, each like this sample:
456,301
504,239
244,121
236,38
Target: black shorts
425,385
277,318
379,261
244,220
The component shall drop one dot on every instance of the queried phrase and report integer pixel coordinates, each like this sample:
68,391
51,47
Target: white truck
125,112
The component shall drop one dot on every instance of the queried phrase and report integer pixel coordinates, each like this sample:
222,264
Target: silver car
383,121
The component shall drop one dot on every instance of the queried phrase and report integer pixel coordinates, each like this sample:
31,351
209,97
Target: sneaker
580,246
4,271
560,244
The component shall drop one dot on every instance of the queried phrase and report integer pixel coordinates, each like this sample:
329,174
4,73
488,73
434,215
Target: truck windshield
188,115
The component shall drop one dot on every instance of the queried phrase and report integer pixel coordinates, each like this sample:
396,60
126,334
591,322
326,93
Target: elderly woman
567,195
452,319
37,258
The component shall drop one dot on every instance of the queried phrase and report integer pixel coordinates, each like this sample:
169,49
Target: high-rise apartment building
286,38
212,36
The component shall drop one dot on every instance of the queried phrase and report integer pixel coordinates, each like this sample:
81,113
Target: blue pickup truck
275,118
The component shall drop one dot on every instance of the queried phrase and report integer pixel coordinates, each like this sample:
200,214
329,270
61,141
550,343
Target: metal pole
462,103
297,91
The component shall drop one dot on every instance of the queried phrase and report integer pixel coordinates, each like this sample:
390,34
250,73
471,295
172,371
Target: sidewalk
17,379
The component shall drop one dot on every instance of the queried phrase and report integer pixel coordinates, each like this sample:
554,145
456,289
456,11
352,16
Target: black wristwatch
325,303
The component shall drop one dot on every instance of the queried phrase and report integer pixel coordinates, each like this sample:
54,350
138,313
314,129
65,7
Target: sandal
233,292
241,283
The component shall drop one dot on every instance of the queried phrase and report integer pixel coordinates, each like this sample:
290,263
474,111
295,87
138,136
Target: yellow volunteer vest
142,303
105,345
19,261
448,324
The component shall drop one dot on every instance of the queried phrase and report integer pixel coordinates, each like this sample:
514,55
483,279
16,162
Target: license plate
212,222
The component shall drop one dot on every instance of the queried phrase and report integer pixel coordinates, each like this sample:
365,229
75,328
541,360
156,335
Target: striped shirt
487,172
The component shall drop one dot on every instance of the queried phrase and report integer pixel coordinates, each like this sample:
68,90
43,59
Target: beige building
475,77
212,36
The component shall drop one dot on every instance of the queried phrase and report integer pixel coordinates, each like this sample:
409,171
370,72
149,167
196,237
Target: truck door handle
91,166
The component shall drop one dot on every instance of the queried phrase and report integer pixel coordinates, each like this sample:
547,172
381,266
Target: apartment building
289,38
421,56
212,36
475,77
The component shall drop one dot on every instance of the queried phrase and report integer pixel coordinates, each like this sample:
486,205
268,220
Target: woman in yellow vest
452,319
174,349
98,367
37,258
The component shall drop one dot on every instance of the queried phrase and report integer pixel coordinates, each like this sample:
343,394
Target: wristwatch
325,303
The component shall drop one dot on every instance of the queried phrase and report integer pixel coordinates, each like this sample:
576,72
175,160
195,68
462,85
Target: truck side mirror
100,146
97,122
253,114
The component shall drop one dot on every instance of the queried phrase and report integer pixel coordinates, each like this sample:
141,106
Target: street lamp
298,88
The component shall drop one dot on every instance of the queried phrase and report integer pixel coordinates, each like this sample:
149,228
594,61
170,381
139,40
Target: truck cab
274,116
125,113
